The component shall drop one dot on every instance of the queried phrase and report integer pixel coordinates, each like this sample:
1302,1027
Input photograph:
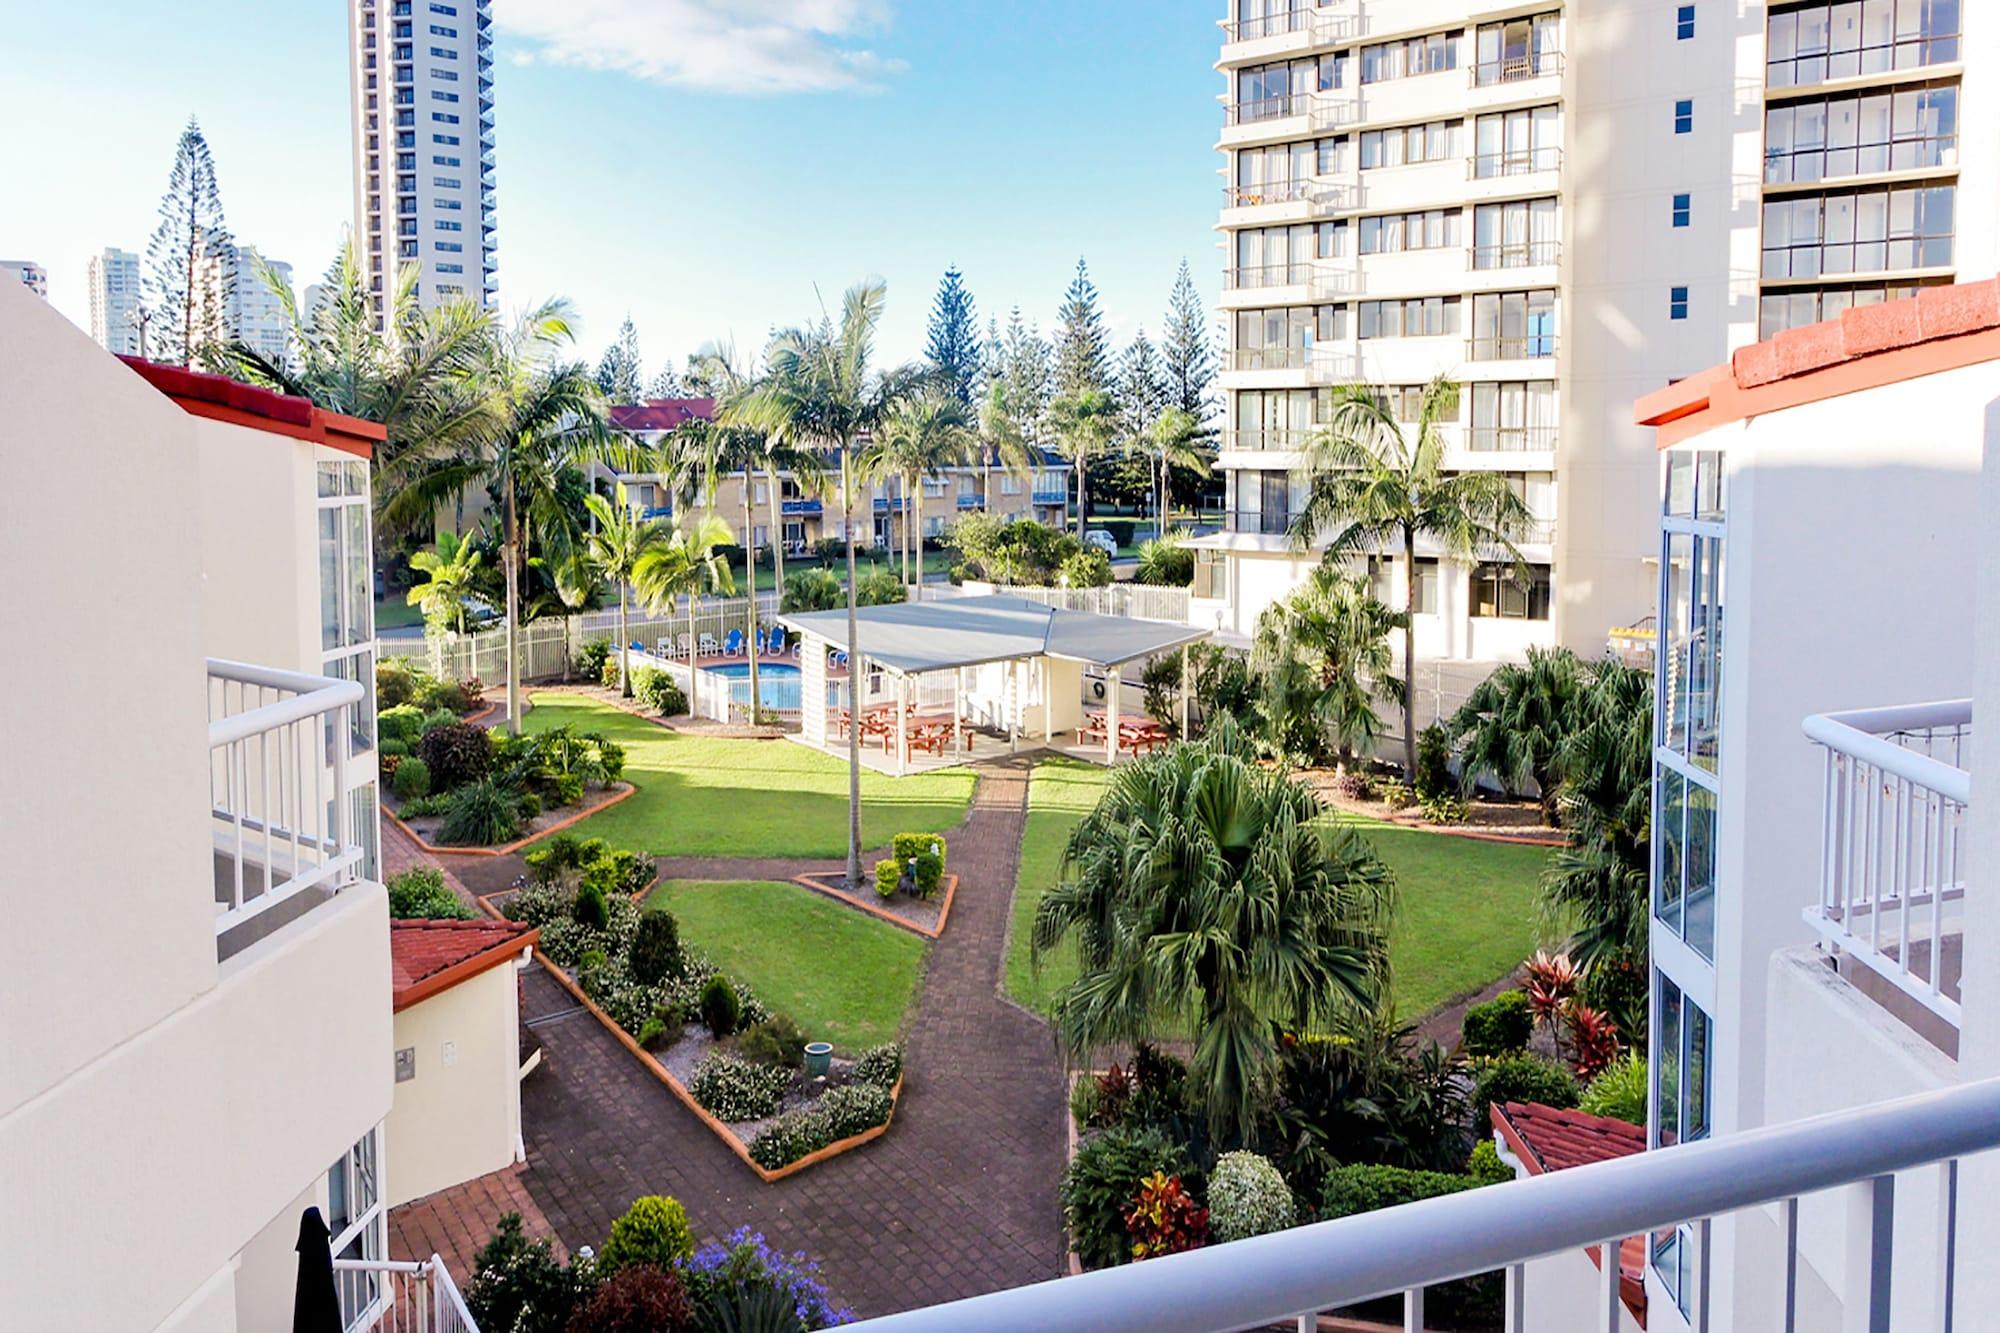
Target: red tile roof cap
219,398
426,957
661,413
1940,328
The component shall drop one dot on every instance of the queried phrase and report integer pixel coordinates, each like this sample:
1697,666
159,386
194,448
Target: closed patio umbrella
315,1302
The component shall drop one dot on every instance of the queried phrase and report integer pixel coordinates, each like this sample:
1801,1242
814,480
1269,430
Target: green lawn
704,796
845,977
1465,913
396,613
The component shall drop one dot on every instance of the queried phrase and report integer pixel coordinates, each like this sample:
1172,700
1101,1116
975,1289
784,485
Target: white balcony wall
454,1121
1412,360
1414,185
1417,97
257,513
1438,272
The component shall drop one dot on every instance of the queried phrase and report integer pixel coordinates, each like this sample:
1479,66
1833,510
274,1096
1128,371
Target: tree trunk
511,553
693,651
624,646
853,680
777,534
917,520
750,592
1410,656
1081,526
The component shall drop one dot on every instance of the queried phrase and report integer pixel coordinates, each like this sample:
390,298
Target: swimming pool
777,683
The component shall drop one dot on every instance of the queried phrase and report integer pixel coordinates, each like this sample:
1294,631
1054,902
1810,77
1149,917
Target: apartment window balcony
1514,162
1321,110
971,502
1252,439
1260,523
1516,68
1525,347
1051,497
281,815
1267,25
1291,356
1251,276
1894,856
800,508
395,1294
1515,254
1270,192
1510,439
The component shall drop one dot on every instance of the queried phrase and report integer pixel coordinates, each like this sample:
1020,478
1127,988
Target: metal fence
549,647
396,1296
1139,601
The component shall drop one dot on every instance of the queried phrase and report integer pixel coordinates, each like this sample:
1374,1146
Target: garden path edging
815,880
519,843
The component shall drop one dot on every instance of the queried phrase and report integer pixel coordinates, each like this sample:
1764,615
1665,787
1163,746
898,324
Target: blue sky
701,164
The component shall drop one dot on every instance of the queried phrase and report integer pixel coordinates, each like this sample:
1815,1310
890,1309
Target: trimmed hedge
1247,1197
841,1113
1501,1026
880,1065
654,1230
1349,1190
733,1089
1522,1078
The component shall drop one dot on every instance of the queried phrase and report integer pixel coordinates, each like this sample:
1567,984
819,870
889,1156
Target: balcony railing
1510,439
1893,843
1259,109
1254,439
971,502
1267,25
1285,357
1290,1276
1514,162
1516,68
800,508
1261,524
392,1296
1523,347
280,813
1270,192
1051,497
1516,254
1296,274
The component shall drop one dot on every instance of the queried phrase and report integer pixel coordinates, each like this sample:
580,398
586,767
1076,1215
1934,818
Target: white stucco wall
259,544
461,1119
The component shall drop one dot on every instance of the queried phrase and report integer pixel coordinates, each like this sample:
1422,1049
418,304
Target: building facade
116,296
28,273
422,91
233,299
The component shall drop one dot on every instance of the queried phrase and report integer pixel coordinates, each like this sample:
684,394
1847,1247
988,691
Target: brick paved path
958,1198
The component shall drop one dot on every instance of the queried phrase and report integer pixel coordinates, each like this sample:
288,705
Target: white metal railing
280,815
1893,841
1137,601
1295,1274
397,1296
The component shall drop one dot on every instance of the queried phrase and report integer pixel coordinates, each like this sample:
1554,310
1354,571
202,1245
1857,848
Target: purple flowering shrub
743,1274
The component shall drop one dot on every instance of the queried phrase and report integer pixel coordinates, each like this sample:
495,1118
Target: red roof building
661,413
220,398
1545,1139
426,957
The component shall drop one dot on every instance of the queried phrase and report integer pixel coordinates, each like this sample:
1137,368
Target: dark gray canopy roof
913,637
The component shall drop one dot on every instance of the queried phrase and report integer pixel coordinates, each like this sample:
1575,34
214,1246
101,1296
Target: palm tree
1513,724
920,437
1375,489
1207,891
618,542
1084,422
819,392
1323,657
1166,561
1599,880
454,572
687,564
1173,439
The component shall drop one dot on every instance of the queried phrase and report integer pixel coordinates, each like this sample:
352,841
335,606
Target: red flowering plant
1114,1096
1165,1219
1551,985
1593,1040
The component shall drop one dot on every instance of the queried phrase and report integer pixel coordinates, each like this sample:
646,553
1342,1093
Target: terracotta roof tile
217,396
661,413
1547,1139
426,957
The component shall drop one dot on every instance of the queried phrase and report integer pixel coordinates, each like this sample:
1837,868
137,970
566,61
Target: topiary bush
1521,1078
389,745
420,894
888,876
1619,1092
413,779
591,909
1101,1182
656,947
907,847
734,1089
1247,1197
1501,1026
480,814
437,717
721,1010
1348,1190
775,1041
880,1065
456,754
654,1230
644,1298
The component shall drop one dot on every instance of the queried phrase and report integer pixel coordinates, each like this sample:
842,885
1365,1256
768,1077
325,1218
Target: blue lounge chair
762,646
839,659
777,641
733,645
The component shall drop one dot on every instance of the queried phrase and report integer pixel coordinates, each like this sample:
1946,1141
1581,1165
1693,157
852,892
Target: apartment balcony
1894,853
1514,255
1510,164
1260,523
1298,200
390,1294
1517,67
1283,118
1056,497
282,820
1266,439
1532,350
971,502
1510,439
801,508
1287,33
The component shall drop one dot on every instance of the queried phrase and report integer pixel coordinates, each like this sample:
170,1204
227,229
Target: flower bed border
646,1058
815,880
518,843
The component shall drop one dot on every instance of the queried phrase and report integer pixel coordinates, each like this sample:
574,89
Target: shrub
527,805
445,694
396,682
591,657
840,1113
1593,1040
1114,1095
413,779
389,748
651,1032
1088,568
1395,793
569,788
437,717
1485,1166
420,895
811,590
425,807
1084,1101
775,1041
591,909
388,764
1619,1092
657,690
1445,809
906,847
480,814
458,753
404,723
1247,1197
1473,1301
518,1284
888,876
1433,776
607,673
1616,988
879,587
880,1065
1521,1078
1101,1182
654,1230
742,1284
1165,1219
1501,1026
640,1299
656,947
721,1011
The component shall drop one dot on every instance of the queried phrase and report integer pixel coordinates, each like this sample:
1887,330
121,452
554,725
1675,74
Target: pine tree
1026,378
1190,362
1083,353
191,235
666,384
992,359
1143,392
954,337
618,368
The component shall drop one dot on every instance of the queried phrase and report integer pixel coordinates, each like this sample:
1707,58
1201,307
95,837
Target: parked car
1103,541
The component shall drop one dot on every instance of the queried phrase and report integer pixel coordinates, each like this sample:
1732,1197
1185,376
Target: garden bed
923,916
426,828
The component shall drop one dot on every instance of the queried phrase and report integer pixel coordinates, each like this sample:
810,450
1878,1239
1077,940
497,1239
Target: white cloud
757,47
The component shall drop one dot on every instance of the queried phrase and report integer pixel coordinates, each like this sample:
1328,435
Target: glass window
1500,592
1669,825
1683,210
1683,116
1677,303
1684,23
1427,586
330,599
1846,38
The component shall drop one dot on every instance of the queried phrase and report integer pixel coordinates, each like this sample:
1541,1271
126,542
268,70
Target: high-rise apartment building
422,85
115,299
1560,209
28,273
233,299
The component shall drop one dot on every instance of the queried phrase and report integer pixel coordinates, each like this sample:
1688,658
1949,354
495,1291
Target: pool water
777,683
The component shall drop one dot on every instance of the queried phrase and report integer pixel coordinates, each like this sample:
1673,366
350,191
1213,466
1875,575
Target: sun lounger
776,643
709,647
733,645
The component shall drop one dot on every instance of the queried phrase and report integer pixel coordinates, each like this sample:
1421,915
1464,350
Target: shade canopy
914,637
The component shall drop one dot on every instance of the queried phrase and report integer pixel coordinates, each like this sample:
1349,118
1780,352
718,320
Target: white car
1103,541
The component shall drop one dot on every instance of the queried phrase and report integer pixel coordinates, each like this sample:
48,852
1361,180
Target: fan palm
1599,880
820,392
1513,724
1084,422
618,542
1322,658
1206,890
1376,489
454,574
920,437
687,564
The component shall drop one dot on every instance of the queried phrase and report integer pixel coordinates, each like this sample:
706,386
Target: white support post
958,710
1947,1229
1413,1310
1048,701
1187,688
1013,706
1515,1317
902,724
1871,1219
1609,1302
1111,720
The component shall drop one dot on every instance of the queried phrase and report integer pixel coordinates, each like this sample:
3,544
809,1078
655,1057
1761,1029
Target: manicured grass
397,614
844,977
1465,915
705,796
